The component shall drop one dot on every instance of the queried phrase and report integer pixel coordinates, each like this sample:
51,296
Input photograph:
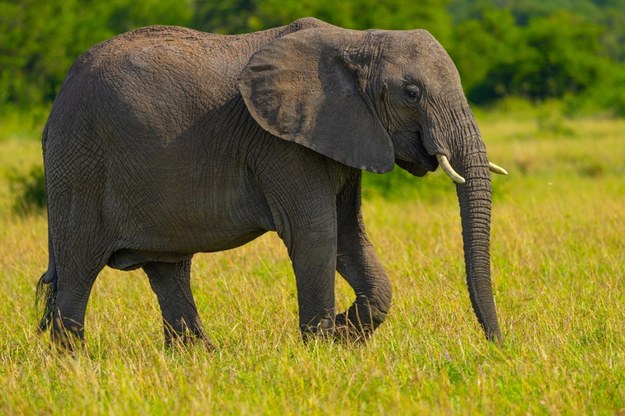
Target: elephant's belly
221,241
133,258
172,216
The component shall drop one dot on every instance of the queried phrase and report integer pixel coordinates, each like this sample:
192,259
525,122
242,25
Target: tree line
567,50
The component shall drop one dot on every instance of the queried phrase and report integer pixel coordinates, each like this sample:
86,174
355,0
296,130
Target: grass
558,268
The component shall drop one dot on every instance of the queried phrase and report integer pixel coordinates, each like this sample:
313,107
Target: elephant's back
160,42
166,63
156,83
149,85
177,52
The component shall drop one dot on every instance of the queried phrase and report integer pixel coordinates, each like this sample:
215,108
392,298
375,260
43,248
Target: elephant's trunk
474,196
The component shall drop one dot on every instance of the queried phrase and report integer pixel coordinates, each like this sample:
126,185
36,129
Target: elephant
164,142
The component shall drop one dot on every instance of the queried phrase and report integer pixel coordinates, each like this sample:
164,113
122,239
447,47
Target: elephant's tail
45,296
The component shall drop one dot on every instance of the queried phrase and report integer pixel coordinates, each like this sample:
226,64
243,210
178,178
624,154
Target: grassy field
558,272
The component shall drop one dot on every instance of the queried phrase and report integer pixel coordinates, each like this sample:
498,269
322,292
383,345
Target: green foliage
237,16
483,44
613,19
400,185
553,56
607,94
572,50
29,190
22,123
524,10
539,50
39,39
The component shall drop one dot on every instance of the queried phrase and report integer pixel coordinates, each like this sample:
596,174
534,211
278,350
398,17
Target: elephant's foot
341,332
183,336
183,341
345,327
323,329
66,335
359,321
349,331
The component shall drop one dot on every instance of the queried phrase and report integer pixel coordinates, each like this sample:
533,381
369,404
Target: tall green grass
558,275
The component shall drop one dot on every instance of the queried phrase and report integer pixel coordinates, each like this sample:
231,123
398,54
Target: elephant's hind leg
73,289
79,255
172,284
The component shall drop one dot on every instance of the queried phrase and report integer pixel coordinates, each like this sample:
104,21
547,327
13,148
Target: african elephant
164,142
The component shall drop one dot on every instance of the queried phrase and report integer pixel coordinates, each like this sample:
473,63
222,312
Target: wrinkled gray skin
165,142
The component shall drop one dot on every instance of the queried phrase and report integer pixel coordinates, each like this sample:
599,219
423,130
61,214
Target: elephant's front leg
172,284
313,254
359,264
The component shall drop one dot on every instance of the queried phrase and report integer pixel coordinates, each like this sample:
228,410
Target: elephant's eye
413,92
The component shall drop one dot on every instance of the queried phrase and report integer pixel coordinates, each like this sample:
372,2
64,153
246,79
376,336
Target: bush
552,57
30,190
400,185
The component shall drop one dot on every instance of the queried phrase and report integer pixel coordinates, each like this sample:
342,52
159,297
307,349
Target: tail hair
45,300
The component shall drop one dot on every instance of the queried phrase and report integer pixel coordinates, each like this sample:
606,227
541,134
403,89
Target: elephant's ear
306,87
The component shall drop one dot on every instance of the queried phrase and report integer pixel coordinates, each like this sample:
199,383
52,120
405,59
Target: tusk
497,169
444,162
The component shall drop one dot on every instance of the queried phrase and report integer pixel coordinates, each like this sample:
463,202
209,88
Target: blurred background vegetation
530,51
541,60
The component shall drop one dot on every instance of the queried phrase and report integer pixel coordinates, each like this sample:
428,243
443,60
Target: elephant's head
370,99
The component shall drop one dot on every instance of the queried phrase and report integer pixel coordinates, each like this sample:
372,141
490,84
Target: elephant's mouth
424,158
411,153
413,168
422,164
